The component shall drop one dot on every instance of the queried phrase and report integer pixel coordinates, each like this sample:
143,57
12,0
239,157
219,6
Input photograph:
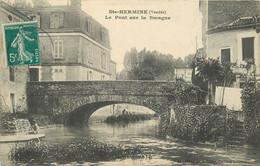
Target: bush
182,93
80,150
126,118
197,123
251,106
23,152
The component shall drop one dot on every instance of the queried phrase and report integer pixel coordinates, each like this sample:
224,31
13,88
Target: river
145,134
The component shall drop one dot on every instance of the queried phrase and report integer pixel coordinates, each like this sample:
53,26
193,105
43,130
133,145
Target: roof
81,28
243,22
12,10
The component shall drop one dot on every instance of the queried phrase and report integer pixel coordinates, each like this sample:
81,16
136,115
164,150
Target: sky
176,36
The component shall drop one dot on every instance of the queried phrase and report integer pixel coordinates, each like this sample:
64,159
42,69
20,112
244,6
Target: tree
40,3
147,65
21,4
214,73
130,59
179,63
122,75
189,60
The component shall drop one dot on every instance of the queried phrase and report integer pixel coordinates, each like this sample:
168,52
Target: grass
83,150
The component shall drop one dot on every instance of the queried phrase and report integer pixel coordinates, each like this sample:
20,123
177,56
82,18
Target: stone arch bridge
75,101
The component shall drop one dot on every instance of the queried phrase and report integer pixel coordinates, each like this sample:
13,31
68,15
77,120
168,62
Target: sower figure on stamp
19,42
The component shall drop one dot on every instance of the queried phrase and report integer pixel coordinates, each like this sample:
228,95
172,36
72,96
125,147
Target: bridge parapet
136,88
79,99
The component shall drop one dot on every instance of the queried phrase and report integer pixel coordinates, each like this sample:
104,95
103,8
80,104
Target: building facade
73,46
12,79
236,44
231,33
215,13
183,73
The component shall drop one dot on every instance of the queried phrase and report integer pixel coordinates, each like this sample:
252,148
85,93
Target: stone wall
197,123
80,99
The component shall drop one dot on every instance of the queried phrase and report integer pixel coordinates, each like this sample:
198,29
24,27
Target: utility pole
193,63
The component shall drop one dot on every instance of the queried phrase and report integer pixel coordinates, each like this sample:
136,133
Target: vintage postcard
129,82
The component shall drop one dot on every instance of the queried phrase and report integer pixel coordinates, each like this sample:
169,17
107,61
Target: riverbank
142,134
82,150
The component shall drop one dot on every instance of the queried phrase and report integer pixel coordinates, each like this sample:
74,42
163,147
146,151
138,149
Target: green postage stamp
21,43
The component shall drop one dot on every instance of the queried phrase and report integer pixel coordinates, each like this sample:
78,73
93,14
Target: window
59,74
248,48
12,98
103,60
225,55
90,54
56,20
11,73
102,34
34,74
89,75
90,27
58,49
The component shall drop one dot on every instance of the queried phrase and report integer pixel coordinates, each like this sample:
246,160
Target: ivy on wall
251,107
197,123
182,93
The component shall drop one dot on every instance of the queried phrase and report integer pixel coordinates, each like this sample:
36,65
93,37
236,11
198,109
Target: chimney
75,3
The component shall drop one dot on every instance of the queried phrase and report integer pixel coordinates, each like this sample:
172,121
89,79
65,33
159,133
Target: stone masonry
76,101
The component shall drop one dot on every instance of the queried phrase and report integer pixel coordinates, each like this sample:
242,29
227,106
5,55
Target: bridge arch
82,114
69,99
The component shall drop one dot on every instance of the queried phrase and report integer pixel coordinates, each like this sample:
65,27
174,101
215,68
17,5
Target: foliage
210,70
40,3
79,150
215,74
147,65
234,127
126,118
190,60
23,152
20,4
250,64
197,123
179,63
58,117
24,4
182,93
122,75
251,106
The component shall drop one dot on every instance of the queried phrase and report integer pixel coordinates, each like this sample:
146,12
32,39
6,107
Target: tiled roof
242,22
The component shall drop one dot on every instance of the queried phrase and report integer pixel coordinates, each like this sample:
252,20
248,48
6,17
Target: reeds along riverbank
128,118
83,150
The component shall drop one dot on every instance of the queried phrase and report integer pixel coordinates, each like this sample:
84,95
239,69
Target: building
236,42
229,33
12,79
73,46
183,73
215,13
